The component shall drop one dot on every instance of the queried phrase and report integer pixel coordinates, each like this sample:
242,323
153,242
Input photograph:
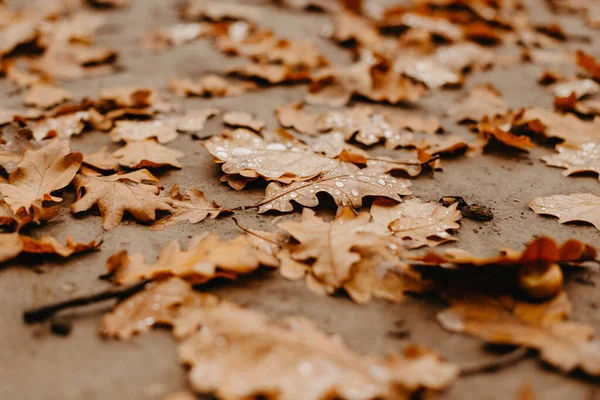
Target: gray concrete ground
34,364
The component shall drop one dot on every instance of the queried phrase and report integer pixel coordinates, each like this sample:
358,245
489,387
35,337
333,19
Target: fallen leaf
270,74
346,184
292,116
207,258
13,144
542,326
101,159
15,34
579,87
194,120
582,157
61,127
245,153
588,64
118,193
574,207
487,132
136,131
417,223
165,37
40,173
541,249
109,3
251,339
12,221
209,86
128,96
189,205
219,10
242,119
14,244
44,95
147,154
482,101
567,127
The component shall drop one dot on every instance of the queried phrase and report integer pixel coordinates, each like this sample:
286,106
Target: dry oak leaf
347,184
588,64
564,344
147,154
541,249
118,193
101,159
194,120
189,205
209,86
487,132
417,223
256,356
12,221
583,157
128,96
482,101
578,87
219,10
573,207
567,127
291,116
40,173
132,131
242,119
331,245
207,258
270,74
165,37
13,144
61,127
45,95
244,152
13,244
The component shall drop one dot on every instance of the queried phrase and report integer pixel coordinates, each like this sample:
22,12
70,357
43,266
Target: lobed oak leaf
242,119
488,132
17,33
118,193
417,223
588,64
542,326
194,120
45,95
135,131
245,153
292,116
61,127
147,154
347,184
482,101
13,144
573,207
270,74
581,157
166,37
128,96
12,221
209,86
578,87
189,205
40,173
207,258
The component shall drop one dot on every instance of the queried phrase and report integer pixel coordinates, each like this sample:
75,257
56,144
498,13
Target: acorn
540,281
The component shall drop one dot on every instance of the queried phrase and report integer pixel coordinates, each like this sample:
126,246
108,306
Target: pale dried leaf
482,101
194,120
147,154
346,184
209,86
136,131
61,127
101,159
583,157
573,207
242,119
44,95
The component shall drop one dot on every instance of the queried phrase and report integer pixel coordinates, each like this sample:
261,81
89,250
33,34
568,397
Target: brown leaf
542,326
579,87
242,119
12,221
40,173
589,65
417,223
270,74
582,157
276,347
118,193
13,244
209,86
128,96
101,159
147,154
44,95
245,153
207,258
13,144
574,207
482,101
17,33
541,249
346,184
292,116
136,131
166,37
189,205
61,127
567,127
335,86
487,132
194,120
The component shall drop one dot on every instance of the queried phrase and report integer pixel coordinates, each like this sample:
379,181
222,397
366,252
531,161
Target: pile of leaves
339,148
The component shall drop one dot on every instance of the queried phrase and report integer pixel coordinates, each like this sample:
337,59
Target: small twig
496,364
43,313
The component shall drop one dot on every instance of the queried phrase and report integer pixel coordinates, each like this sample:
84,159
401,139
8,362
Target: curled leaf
574,207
